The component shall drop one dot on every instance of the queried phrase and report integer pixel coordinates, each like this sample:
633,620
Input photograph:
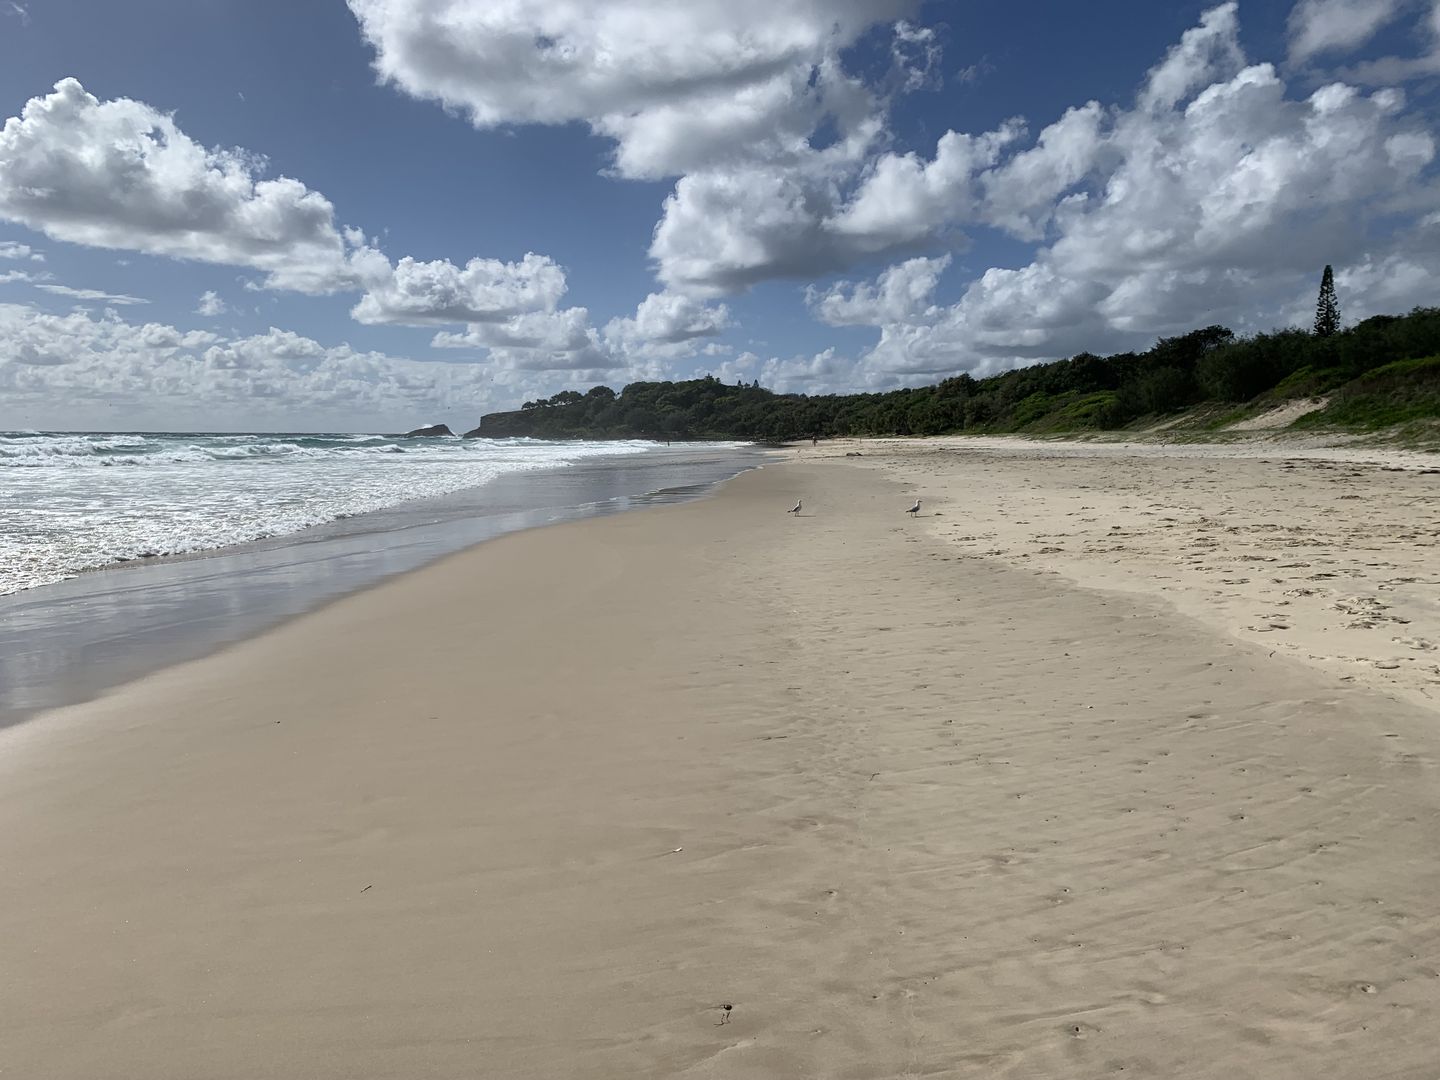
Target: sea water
263,528
71,502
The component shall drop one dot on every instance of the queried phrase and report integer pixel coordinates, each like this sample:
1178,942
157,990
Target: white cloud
210,304
723,230
1217,205
1212,196
12,249
1389,70
904,200
1021,196
679,86
666,325
10,277
902,293
1210,147
1378,284
1206,54
1319,26
441,293
536,341
93,294
915,52
728,95
77,341
80,362
120,174
828,371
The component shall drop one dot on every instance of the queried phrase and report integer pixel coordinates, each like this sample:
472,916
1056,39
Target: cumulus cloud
748,103
1213,195
440,293
120,174
81,361
560,340
827,371
724,230
1205,54
902,293
667,325
93,294
1214,198
210,304
32,338
13,249
678,86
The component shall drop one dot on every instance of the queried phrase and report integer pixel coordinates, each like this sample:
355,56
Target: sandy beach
1330,555
1029,786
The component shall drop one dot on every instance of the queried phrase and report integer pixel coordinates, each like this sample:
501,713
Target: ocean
122,552
75,502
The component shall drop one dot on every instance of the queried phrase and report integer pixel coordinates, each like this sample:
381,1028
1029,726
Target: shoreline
546,807
145,615
445,503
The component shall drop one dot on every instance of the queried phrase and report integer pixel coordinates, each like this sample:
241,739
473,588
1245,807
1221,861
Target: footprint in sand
1416,643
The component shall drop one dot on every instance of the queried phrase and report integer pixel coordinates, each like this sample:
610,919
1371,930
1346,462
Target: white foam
70,503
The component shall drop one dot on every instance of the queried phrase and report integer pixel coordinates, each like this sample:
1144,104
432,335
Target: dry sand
1331,556
545,809
1282,416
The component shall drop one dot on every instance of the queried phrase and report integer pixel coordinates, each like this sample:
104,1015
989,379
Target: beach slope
713,791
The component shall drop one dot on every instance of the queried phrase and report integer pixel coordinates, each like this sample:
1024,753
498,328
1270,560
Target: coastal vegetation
1381,372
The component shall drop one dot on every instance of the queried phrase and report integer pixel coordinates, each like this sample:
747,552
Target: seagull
794,509
914,509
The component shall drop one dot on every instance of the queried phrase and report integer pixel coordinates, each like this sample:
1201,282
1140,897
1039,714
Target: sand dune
1281,416
713,791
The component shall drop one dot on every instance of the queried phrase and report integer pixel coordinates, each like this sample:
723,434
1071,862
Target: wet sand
67,642
712,791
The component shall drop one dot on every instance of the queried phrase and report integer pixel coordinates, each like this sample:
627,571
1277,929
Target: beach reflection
67,642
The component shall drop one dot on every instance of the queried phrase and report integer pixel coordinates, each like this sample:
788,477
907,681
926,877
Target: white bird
794,509
914,509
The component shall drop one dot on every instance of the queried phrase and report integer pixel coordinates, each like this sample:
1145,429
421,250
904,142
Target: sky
369,215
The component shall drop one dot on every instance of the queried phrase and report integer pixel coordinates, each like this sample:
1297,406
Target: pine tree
1327,308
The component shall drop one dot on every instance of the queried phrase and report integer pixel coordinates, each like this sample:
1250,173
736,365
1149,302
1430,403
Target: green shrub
1397,393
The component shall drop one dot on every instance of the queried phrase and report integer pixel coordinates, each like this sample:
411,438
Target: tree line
1083,392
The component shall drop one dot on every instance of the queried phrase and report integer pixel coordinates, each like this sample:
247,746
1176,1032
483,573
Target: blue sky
484,203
